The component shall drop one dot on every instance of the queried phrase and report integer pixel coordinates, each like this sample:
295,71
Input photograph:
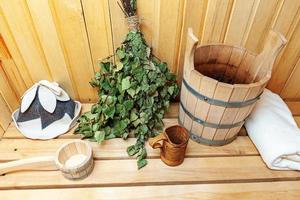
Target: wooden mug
174,143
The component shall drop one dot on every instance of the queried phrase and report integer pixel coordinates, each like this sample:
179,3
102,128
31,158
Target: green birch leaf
99,136
133,115
142,154
131,92
131,150
126,83
142,163
171,90
119,66
120,53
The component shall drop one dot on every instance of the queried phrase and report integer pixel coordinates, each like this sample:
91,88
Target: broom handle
29,164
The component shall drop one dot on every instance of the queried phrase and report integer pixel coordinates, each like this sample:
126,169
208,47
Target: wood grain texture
289,60
62,40
44,24
297,119
287,22
216,19
97,19
250,191
196,11
240,21
261,24
20,23
194,171
116,149
21,80
7,91
291,90
14,77
169,11
5,116
1,132
70,23
294,106
227,172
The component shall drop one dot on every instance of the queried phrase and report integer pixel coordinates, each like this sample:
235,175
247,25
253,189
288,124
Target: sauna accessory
173,145
221,84
74,159
274,132
46,111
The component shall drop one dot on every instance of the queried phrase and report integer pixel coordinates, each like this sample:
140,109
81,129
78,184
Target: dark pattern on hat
36,111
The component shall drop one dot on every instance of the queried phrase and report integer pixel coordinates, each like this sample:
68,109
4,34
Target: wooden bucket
220,86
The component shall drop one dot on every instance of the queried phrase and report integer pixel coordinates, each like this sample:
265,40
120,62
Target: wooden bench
234,171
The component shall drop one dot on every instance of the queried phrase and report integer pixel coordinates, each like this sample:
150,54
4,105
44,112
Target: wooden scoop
73,159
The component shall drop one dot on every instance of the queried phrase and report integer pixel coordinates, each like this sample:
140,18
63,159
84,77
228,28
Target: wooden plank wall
61,40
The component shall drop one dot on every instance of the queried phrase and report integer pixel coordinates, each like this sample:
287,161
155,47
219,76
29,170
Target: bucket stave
220,86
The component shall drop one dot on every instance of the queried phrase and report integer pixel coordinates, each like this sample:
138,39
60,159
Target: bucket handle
191,44
264,61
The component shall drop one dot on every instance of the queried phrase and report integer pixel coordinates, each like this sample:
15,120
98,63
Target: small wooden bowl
81,168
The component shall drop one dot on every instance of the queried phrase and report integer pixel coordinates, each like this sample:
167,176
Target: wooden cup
174,143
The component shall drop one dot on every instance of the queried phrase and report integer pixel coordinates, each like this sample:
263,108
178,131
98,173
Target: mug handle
153,142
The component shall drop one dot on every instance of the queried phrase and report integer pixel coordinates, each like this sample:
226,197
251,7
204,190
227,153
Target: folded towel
275,133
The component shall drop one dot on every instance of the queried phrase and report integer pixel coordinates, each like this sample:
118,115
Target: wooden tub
220,86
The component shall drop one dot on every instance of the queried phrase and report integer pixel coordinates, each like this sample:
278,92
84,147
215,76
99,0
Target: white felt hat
46,111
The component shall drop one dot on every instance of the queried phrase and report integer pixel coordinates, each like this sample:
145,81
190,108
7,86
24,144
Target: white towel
275,133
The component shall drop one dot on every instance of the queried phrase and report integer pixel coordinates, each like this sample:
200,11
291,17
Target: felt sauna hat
46,111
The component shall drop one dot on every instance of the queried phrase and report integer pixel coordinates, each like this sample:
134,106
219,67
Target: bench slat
250,191
116,149
124,173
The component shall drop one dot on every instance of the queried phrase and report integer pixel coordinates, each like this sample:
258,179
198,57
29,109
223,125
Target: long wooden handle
191,44
45,162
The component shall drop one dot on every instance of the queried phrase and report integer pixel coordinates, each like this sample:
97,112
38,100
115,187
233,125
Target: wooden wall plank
168,41
118,23
287,23
216,20
47,33
14,77
18,17
97,19
286,18
146,11
291,89
261,25
287,62
70,24
7,65
4,52
7,91
5,116
19,70
1,132
240,21
196,11
294,106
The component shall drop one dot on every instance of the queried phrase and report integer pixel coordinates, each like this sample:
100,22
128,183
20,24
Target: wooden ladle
73,159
